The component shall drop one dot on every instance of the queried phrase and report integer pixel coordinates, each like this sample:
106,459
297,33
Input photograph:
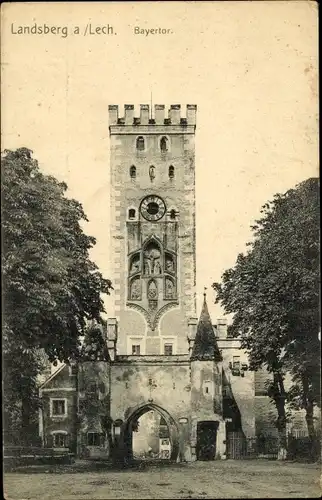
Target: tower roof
205,346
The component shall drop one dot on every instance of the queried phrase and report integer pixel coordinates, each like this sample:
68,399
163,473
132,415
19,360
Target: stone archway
135,414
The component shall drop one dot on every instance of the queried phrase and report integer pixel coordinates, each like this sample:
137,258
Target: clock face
153,208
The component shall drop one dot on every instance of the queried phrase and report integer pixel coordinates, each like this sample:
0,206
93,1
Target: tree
273,294
51,287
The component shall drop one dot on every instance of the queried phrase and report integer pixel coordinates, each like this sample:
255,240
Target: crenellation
159,111
128,114
113,111
144,114
173,118
174,114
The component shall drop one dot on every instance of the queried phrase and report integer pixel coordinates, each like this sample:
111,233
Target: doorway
150,433
206,440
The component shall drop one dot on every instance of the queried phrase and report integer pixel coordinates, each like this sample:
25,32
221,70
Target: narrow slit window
172,214
207,387
133,172
168,349
171,172
131,213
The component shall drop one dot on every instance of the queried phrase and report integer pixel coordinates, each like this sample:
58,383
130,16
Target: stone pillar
192,329
184,441
222,328
221,441
193,438
112,337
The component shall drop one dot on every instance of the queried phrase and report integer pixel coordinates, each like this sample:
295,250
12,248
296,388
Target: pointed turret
205,346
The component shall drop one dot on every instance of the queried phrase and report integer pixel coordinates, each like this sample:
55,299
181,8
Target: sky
251,68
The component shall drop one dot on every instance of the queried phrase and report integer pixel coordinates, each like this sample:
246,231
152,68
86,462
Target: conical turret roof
205,346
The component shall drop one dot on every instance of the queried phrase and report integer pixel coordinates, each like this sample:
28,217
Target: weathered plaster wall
94,388
206,393
169,387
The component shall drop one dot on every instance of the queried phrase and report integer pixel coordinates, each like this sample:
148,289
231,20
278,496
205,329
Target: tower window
168,349
132,213
133,172
136,350
172,214
140,143
171,172
164,144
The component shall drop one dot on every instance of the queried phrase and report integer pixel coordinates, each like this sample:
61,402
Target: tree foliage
51,288
273,293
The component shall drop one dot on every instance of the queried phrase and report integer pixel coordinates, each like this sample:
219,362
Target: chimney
113,113
129,114
159,114
222,328
174,114
191,114
144,114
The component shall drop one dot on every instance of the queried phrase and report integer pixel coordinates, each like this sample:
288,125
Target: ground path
218,479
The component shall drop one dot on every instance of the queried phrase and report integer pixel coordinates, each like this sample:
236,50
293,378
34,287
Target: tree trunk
282,444
309,417
310,420
279,398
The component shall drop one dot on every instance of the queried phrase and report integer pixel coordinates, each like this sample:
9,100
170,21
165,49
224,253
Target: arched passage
134,417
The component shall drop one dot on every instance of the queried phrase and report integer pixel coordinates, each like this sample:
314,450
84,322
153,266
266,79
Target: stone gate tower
153,228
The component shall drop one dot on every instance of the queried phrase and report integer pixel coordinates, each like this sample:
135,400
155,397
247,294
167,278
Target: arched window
133,172
140,143
171,172
132,213
164,144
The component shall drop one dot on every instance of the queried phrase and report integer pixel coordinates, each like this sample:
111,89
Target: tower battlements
173,115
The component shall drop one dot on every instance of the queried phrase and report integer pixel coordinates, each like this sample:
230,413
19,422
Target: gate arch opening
165,420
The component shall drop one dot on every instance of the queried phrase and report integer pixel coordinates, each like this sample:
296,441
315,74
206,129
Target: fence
241,447
299,446
20,455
